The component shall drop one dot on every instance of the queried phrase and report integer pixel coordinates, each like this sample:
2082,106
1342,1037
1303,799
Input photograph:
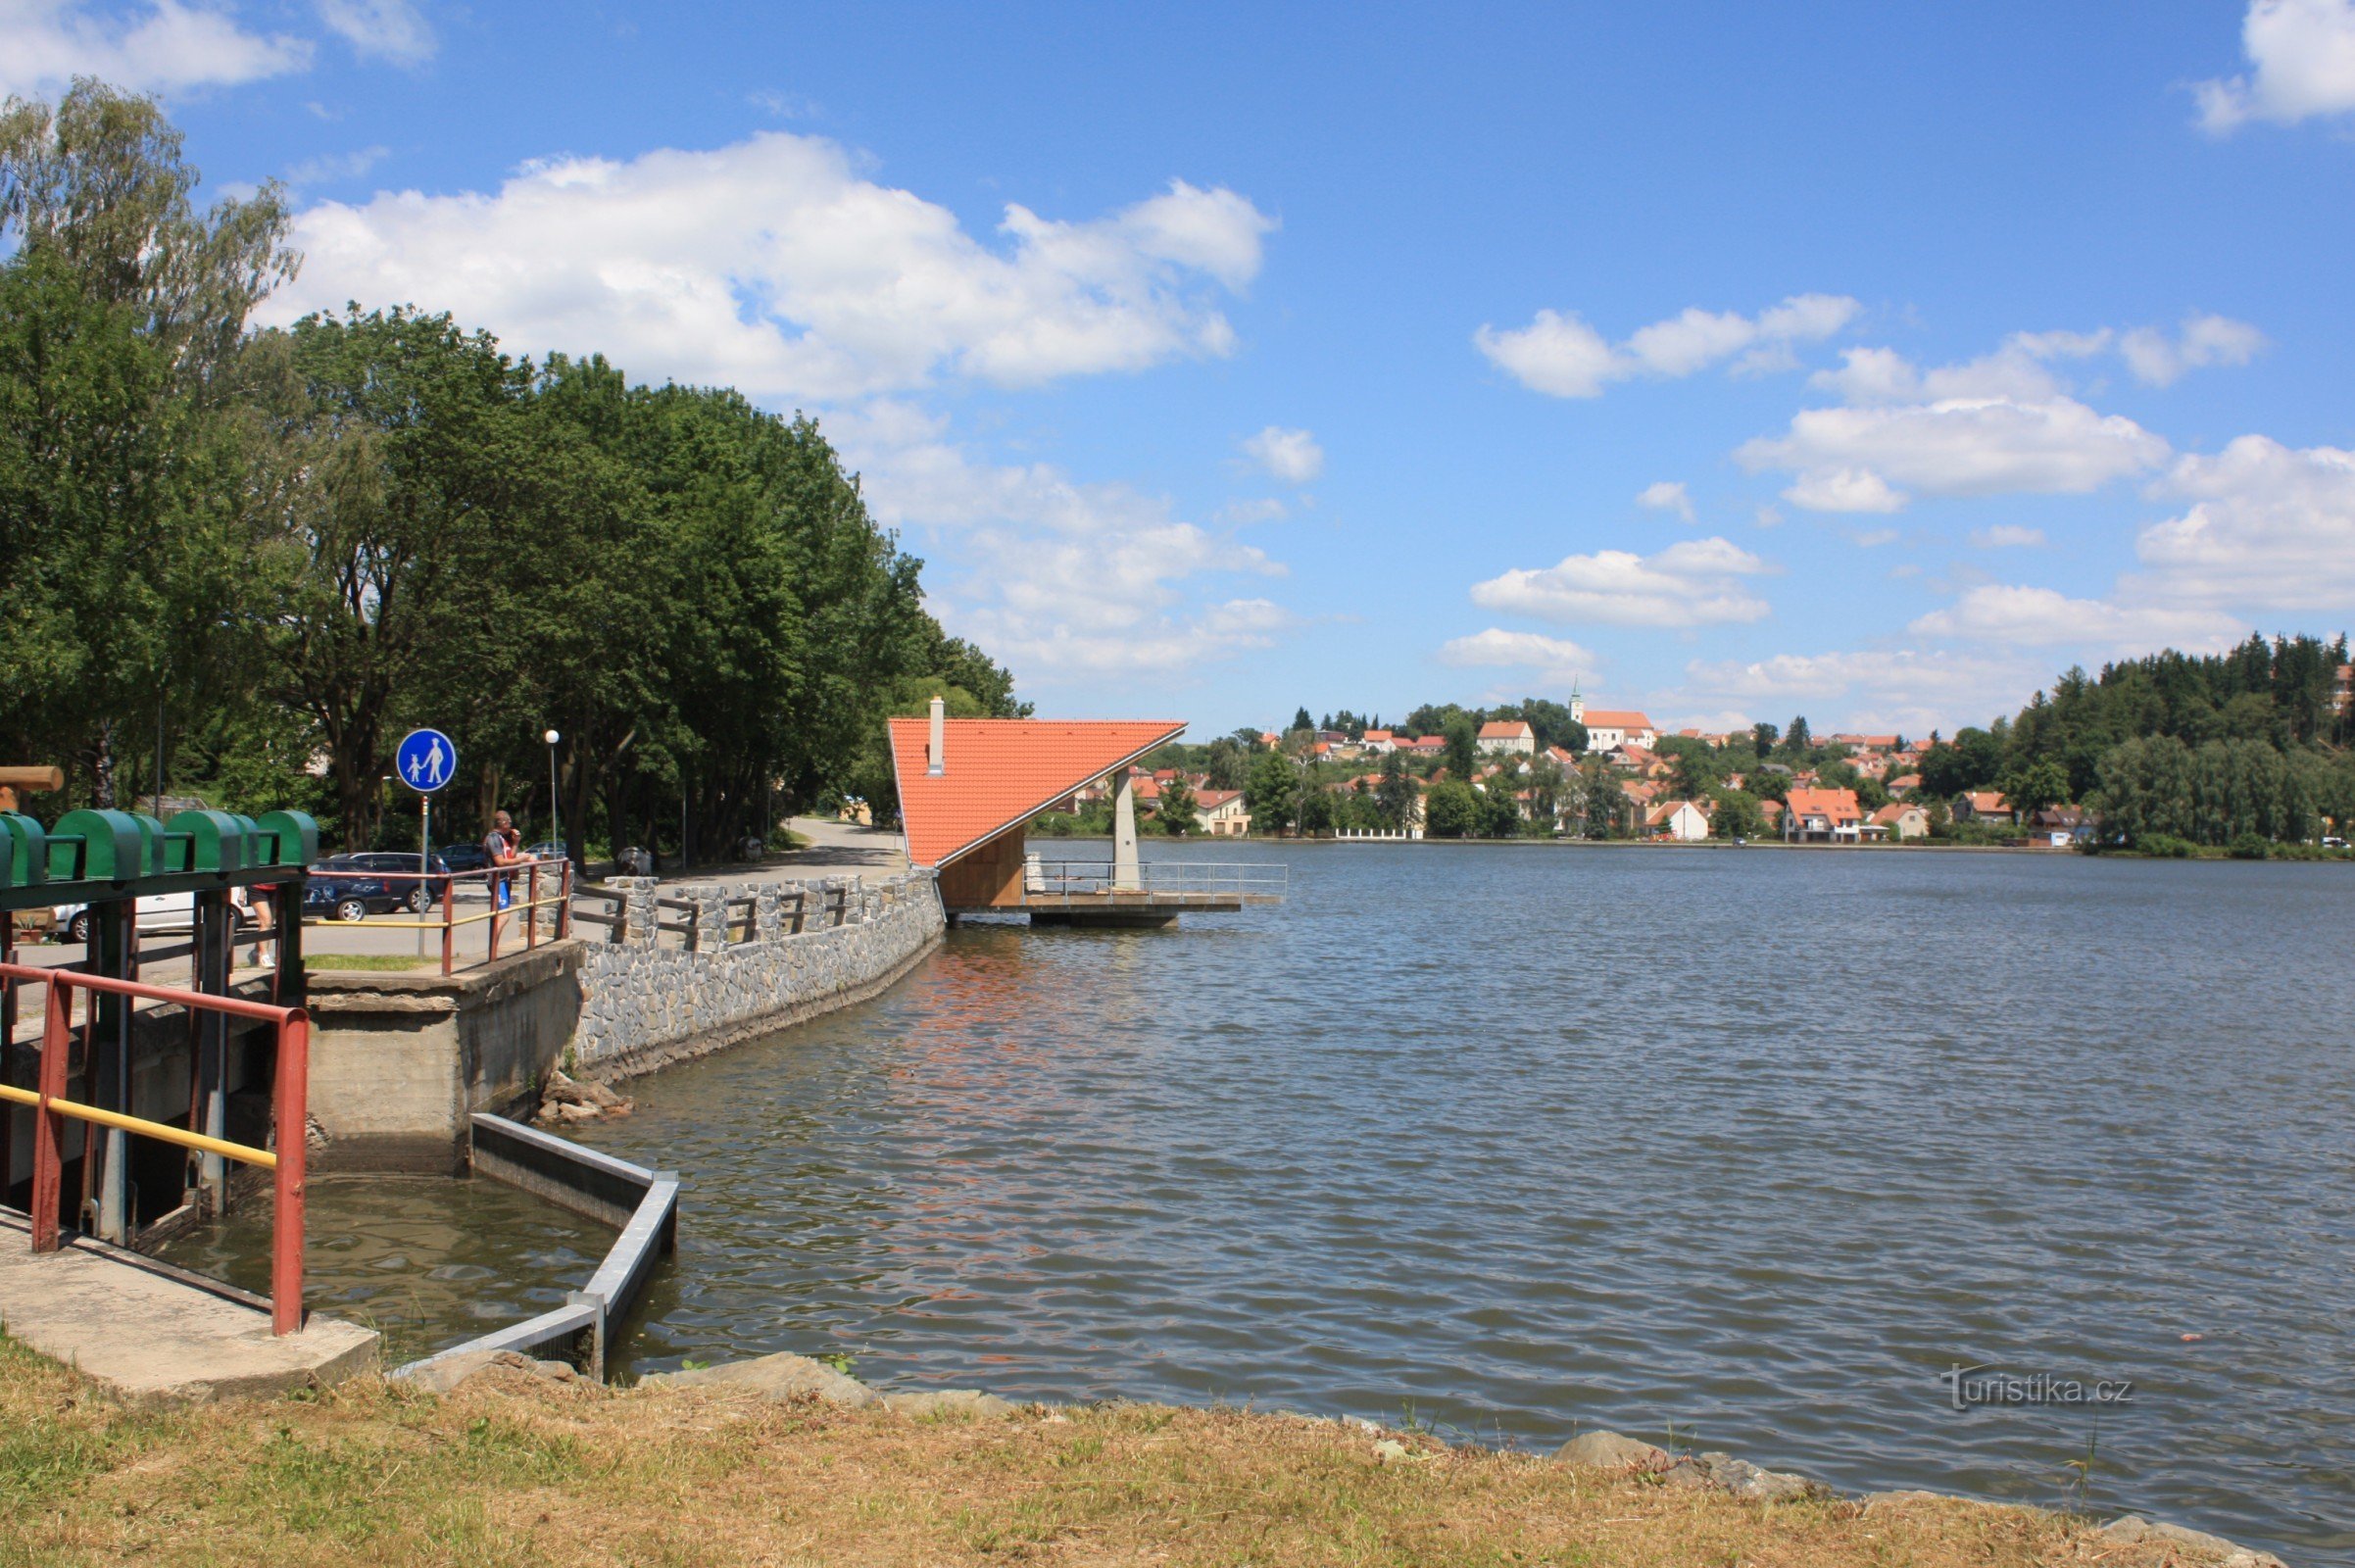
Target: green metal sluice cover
217,841
109,847
24,851
297,837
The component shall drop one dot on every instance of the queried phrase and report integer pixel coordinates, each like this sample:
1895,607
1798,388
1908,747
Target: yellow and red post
291,1096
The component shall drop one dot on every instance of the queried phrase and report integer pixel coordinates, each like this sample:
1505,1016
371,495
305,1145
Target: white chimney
936,754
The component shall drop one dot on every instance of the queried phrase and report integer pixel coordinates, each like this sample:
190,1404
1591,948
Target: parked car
465,858
157,911
342,890
419,891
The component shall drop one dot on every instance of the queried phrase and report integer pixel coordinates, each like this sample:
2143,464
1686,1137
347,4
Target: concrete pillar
1126,877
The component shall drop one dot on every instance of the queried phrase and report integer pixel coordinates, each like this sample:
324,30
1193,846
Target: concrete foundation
151,1334
400,1062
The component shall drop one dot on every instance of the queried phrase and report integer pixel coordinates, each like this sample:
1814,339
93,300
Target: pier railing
51,1111
1176,881
530,886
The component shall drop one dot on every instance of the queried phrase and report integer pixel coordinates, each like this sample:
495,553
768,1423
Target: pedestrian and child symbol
426,760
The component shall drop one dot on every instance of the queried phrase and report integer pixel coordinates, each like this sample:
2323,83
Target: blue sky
1871,362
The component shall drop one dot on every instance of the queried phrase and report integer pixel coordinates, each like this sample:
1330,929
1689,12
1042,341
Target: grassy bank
513,1470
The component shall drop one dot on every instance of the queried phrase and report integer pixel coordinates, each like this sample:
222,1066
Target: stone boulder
782,1377
1609,1450
446,1373
1722,1471
2198,1544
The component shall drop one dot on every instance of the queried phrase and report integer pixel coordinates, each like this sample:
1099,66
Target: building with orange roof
1830,817
1609,728
1983,805
1501,736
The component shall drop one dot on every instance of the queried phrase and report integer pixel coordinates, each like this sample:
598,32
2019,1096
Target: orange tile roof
1004,771
1616,719
1505,729
1832,806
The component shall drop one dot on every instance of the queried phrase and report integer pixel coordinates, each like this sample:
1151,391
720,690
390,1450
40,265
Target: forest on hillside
240,563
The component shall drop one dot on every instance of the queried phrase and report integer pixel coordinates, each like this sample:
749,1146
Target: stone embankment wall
651,998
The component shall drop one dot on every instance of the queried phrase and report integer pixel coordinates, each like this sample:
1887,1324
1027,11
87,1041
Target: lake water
1527,1140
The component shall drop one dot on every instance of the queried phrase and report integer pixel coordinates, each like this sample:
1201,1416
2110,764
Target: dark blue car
353,887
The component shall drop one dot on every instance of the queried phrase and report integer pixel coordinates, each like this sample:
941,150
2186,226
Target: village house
1609,728
1221,813
1379,743
1503,735
1900,821
1903,784
2062,826
1680,821
1983,805
1830,817
1426,746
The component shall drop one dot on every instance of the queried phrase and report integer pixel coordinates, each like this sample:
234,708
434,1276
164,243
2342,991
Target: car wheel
417,899
78,928
351,908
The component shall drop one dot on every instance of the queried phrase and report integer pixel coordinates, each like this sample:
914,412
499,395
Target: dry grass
513,1470
367,961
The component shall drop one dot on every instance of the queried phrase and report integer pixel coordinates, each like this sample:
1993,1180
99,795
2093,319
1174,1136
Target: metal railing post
48,1126
563,906
291,1099
531,905
449,923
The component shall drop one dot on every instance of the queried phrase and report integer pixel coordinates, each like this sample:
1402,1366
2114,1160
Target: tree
1227,764
1301,720
1462,745
1762,740
1797,740
1736,815
1499,815
1546,783
2036,786
1272,793
1395,793
1451,810
1177,810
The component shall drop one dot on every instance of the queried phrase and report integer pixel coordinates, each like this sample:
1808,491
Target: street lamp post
556,829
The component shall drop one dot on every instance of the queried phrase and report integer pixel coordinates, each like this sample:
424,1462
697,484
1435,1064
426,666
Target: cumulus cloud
773,265
1904,690
2045,617
2205,340
1292,456
1559,355
1061,577
2007,536
382,29
1870,458
1693,582
2268,528
164,47
1516,650
1668,495
2302,59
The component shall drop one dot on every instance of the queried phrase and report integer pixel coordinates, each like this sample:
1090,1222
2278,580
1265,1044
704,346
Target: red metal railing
289,1100
449,923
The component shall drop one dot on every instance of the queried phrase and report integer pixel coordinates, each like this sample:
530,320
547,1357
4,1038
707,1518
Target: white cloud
1843,490
382,29
2007,536
1906,690
770,264
2270,529
2205,340
1667,495
1292,456
2016,616
2304,55
1518,649
1261,509
1770,517
164,47
328,167
1693,582
1865,459
1059,577
1874,538
1559,355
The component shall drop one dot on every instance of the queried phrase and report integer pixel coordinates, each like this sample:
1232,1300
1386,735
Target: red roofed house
1428,746
970,786
1609,728
1221,813
1830,817
1682,821
1508,735
1379,743
1983,805
1899,821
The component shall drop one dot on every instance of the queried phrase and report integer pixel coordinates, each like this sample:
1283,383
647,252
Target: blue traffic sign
426,760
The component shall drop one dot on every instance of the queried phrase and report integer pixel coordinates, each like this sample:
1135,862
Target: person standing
499,851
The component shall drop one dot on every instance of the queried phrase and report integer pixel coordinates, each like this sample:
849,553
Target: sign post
427,760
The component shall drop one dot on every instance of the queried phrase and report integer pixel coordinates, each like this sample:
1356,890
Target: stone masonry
662,996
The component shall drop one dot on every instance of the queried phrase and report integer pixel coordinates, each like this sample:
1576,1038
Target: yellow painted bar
146,1129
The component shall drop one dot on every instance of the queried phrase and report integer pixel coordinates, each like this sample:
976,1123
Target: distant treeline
254,560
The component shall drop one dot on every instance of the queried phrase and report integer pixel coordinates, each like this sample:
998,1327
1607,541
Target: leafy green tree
1272,793
1395,795
1499,815
1176,813
1227,764
1764,739
2035,786
1797,740
1301,720
1462,745
1738,815
1451,810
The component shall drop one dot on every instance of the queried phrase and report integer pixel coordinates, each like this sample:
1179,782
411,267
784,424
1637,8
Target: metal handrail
450,921
289,1108
1167,877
